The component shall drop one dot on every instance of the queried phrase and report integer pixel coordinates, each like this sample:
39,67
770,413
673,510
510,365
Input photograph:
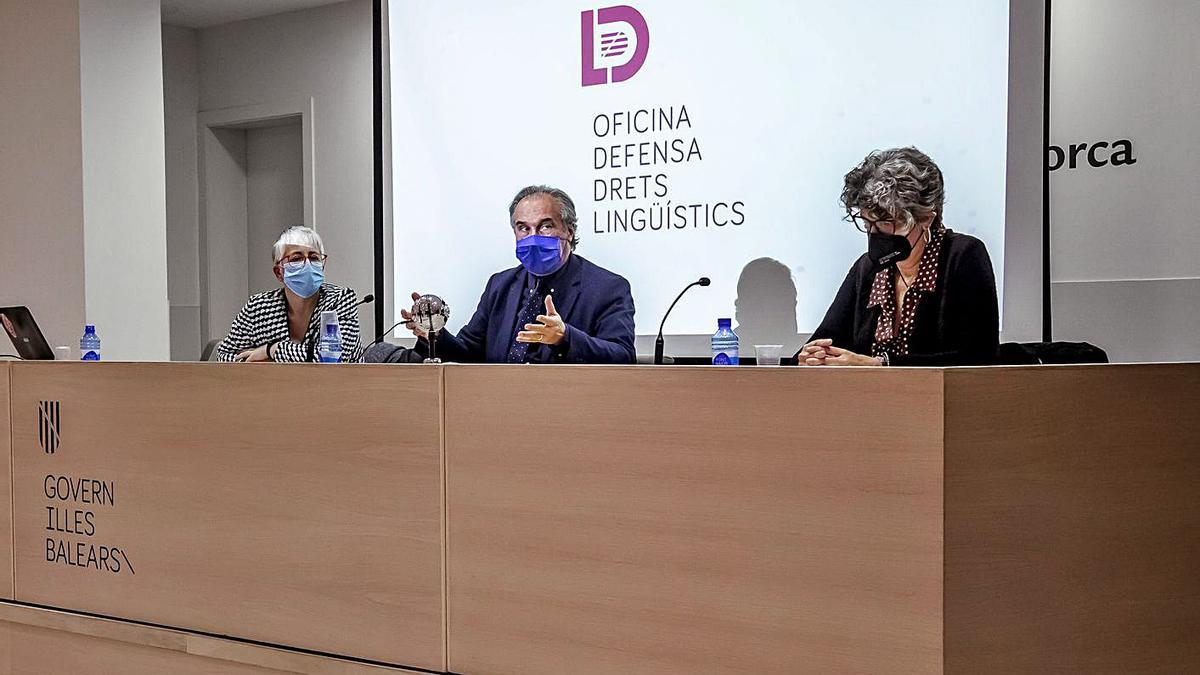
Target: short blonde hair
297,235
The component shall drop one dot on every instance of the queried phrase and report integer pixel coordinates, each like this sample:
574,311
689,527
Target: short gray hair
297,235
566,207
900,183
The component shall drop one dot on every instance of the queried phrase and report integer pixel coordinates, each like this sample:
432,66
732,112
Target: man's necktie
530,308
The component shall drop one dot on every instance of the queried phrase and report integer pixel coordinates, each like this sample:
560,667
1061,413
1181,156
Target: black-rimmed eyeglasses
300,257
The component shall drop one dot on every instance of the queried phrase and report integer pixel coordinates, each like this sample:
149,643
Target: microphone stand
659,343
379,338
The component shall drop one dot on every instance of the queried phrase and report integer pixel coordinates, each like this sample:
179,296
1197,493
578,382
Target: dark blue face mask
540,254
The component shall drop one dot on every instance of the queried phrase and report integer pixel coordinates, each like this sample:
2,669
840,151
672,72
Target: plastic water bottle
725,344
330,350
89,344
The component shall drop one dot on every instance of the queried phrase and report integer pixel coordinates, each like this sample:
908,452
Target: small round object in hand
430,313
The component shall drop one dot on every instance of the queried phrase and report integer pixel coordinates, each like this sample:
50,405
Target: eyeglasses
868,225
298,258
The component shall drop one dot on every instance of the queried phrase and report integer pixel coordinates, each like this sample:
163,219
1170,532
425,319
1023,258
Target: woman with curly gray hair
922,295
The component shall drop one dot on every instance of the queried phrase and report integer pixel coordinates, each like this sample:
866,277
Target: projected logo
613,42
49,426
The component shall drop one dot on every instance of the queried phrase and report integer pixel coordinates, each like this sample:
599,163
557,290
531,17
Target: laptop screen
24,333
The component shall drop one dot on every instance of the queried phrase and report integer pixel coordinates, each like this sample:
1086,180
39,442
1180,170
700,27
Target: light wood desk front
489,520
292,505
700,520
29,650
1073,519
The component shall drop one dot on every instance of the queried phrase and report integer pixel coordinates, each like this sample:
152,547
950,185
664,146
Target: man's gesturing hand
549,330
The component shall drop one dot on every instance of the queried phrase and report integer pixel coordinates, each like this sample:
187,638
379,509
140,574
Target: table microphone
658,342
381,336
367,299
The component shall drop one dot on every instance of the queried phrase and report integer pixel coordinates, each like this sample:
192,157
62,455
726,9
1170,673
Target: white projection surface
753,113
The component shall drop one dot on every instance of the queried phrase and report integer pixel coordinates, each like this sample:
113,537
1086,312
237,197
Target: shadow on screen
765,308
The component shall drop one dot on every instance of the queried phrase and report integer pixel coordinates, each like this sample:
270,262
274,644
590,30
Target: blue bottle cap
724,323
89,328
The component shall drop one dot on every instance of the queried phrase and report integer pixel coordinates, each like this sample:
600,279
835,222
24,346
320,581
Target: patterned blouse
892,336
264,319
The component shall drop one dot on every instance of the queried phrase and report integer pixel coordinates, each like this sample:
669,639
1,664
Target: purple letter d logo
614,44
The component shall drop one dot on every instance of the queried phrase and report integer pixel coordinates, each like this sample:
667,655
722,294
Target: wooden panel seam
12,506
942,650
445,483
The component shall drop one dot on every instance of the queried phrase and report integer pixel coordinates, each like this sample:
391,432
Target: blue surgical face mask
540,254
305,278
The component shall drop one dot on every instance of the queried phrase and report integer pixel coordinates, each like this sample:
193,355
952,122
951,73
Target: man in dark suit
555,307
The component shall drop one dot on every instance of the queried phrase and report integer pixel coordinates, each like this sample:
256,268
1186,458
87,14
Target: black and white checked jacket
264,319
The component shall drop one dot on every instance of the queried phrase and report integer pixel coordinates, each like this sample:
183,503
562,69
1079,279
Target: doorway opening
255,180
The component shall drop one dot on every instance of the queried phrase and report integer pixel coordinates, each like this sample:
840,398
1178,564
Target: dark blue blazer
596,305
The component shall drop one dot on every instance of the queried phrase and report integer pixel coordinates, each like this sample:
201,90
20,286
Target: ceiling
205,13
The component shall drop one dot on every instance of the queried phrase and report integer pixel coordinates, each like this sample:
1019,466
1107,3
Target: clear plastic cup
62,353
767,355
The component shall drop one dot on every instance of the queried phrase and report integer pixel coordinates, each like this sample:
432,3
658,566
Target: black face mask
885,250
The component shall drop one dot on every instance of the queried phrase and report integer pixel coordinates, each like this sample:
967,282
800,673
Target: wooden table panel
62,646
1073,519
26,650
684,520
296,505
6,552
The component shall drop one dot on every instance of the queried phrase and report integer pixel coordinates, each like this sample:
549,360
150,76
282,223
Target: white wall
274,195
181,100
41,204
224,240
1022,293
1126,256
81,171
324,53
124,194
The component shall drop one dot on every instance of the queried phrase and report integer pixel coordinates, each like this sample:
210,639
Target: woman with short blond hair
284,324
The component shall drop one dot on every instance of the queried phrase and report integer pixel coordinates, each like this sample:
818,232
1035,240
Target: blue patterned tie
529,311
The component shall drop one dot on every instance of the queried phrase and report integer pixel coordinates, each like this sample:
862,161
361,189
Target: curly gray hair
900,184
566,207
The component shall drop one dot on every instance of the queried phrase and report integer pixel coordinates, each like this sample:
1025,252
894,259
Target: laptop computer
26,337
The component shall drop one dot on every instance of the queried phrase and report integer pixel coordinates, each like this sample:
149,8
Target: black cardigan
956,325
